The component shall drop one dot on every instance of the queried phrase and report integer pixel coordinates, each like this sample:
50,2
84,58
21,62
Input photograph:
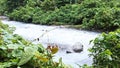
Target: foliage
2,7
23,14
14,4
106,50
91,14
99,14
64,15
16,52
47,5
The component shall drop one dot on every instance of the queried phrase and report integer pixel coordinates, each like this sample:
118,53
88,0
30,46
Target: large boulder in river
77,47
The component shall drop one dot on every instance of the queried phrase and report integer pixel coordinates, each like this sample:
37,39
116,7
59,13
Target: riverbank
78,27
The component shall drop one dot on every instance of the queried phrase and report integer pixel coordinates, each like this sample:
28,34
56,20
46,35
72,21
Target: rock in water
77,47
68,52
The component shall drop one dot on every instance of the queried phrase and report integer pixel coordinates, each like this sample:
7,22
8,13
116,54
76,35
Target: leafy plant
14,4
2,7
106,50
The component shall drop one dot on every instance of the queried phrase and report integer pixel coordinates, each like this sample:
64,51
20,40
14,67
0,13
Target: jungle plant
106,50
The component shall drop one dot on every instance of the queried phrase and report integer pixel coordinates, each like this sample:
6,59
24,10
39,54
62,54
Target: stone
68,52
77,47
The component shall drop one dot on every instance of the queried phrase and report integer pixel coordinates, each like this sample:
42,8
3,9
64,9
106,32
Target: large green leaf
27,55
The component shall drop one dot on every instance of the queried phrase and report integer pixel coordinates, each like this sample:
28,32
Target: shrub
63,15
2,7
14,4
99,14
24,14
106,50
67,14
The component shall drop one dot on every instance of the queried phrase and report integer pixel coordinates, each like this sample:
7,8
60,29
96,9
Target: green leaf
17,53
12,46
27,55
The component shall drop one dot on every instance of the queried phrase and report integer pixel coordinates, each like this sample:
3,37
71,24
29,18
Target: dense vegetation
106,50
16,52
90,14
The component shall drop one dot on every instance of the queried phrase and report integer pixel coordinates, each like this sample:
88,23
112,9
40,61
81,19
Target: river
66,37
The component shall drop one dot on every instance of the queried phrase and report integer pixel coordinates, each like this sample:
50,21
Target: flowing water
64,37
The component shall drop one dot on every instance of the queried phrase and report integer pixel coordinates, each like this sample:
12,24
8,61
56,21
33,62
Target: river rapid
65,37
